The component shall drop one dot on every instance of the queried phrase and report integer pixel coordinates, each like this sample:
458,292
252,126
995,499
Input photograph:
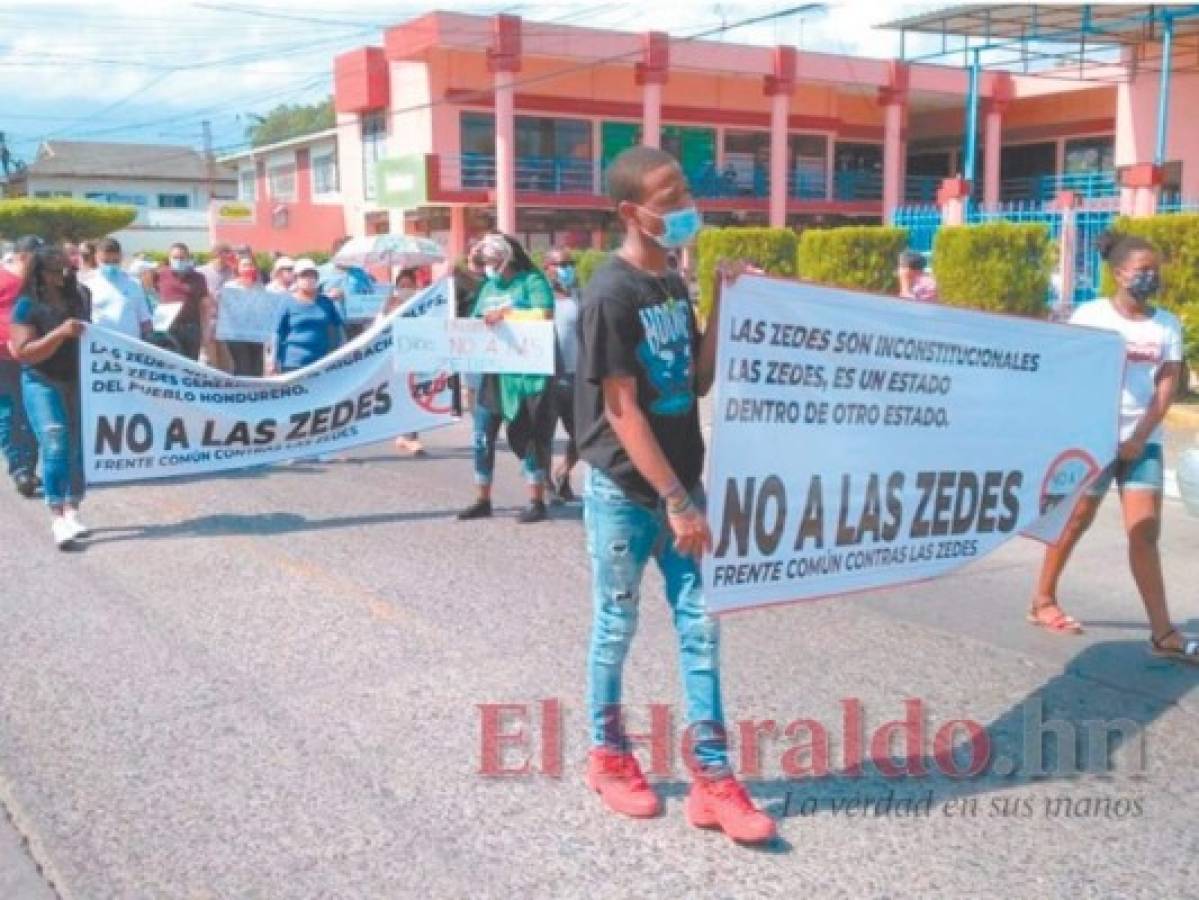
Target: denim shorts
1145,473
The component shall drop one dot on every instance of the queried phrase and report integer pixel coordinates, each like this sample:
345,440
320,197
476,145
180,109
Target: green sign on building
401,183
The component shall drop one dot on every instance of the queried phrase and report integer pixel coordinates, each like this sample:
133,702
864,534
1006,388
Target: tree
289,120
62,220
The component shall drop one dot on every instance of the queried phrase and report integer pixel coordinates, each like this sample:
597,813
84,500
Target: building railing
1043,188
554,175
850,185
803,182
539,174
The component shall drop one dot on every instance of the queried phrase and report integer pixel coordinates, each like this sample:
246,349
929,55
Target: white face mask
491,272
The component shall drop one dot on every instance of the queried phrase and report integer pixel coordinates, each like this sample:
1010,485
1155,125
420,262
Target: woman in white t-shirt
1153,342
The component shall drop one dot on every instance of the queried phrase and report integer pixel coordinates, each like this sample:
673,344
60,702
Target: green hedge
859,257
1177,240
771,249
62,220
998,266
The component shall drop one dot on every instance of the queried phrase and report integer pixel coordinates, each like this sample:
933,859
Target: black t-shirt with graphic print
635,324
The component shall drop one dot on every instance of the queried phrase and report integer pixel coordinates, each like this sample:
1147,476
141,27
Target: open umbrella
391,250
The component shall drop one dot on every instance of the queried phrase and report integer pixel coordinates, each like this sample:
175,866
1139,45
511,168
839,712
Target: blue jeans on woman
486,431
16,439
53,409
621,538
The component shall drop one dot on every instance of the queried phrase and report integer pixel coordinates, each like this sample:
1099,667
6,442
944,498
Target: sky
153,72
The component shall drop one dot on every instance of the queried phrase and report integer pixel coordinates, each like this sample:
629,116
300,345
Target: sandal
1058,622
1187,653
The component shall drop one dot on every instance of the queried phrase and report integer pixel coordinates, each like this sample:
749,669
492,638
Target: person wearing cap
309,327
17,441
560,269
283,275
515,289
117,299
179,283
914,282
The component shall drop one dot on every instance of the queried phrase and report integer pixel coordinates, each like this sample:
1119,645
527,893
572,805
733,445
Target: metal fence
923,222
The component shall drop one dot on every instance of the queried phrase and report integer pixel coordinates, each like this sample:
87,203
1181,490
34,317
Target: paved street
266,685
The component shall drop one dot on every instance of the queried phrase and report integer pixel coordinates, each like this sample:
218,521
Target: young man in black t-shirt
641,365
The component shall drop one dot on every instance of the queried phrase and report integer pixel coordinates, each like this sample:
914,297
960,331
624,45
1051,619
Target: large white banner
860,442
248,314
149,413
471,345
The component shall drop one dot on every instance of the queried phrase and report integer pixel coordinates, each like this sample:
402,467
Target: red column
503,60
894,100
1002,91
952,199
458,236
1068,203
651,73
778,87
1142,183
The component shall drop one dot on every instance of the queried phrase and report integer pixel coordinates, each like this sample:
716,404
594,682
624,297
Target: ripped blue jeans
622,536
53,410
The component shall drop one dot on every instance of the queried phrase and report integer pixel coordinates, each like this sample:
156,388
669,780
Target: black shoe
26,483
480,509
534,512
563,489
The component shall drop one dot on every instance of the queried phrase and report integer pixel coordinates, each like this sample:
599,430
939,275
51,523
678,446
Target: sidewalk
1182,432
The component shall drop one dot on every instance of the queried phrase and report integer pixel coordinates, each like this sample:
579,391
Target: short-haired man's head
108,246
178,250
627,173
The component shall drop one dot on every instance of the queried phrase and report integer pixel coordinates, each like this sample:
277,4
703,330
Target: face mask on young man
566,276
679,226
181,265
110,270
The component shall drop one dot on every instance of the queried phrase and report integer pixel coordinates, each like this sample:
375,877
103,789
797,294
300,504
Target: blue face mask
679,226
110,270
566,276
181,265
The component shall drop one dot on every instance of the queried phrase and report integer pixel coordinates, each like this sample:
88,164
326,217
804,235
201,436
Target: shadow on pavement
260,523
1070,730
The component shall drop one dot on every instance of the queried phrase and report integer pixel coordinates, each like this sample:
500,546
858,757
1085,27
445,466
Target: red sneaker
617,778
723,803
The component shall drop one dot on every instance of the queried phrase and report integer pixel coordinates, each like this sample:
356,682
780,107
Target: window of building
1022,165
281,181
374,148
117,197
46,195
858,171
247,186
1090,155
174,201
553,154
808,165
324,174
746,162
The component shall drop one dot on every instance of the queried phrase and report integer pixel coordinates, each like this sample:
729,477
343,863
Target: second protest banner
150,413
860,441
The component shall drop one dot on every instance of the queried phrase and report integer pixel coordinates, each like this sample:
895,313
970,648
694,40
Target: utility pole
209,158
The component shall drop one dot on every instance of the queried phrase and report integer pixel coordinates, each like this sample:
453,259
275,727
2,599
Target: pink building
457,123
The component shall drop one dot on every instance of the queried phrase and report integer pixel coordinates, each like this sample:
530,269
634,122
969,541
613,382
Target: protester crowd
643,496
